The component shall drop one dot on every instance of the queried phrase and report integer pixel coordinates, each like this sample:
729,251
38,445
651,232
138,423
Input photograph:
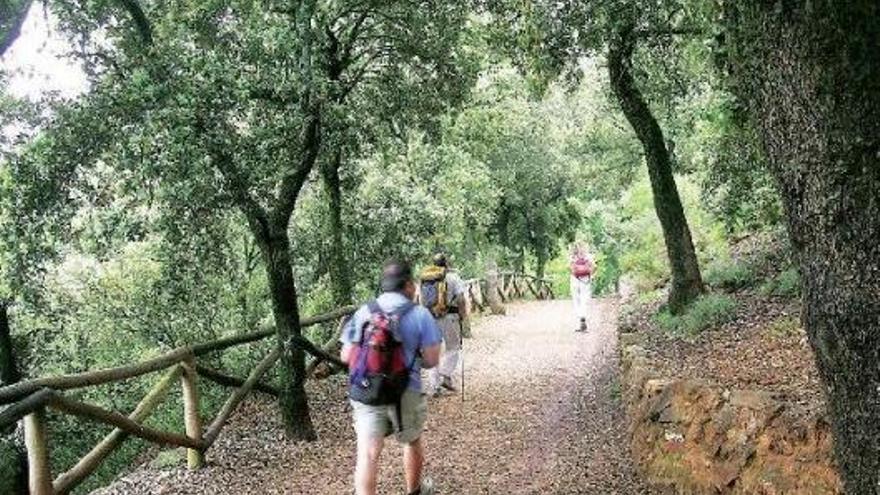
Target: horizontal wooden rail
22,389
307,346
18,390
22,408
221,378
66,482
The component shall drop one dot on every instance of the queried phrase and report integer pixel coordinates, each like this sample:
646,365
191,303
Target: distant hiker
386,343
442,292
582,268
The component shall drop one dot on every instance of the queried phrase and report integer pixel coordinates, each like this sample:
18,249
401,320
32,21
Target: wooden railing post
195,459
37,443
494,281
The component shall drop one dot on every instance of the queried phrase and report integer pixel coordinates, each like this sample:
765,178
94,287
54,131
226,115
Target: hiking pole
461,353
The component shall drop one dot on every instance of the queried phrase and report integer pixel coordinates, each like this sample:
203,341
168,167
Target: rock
758,401
738,441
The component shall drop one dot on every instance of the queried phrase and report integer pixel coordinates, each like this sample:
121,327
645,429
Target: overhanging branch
16,18
144,28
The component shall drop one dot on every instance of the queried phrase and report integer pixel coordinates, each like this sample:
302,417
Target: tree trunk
540,264
293,400
12,16
9,372
810,76
687,282
340,274
13,456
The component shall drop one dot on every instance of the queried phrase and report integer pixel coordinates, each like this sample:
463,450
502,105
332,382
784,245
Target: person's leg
366,471
452,337
372,424
435,378
413,462
579,303
413,412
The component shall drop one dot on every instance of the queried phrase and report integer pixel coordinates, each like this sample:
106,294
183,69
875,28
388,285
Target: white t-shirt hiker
582,268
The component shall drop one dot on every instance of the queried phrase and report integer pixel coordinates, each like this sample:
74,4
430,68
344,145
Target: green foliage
786,284
710,310
729,274
11,469
168,459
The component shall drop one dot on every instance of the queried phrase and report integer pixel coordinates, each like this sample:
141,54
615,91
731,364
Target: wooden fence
29,399
508,286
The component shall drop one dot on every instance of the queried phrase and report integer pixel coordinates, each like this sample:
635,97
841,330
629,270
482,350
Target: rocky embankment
695,437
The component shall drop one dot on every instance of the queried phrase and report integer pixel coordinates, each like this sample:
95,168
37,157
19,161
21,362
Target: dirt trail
541,416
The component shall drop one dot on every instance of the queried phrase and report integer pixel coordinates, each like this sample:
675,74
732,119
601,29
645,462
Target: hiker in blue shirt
417,342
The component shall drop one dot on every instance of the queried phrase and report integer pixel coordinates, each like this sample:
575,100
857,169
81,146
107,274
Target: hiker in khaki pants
443,294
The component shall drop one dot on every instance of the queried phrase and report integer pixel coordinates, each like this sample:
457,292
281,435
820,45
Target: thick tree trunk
687,282
9,372
810,75
540,264
293,400
340,274
12,453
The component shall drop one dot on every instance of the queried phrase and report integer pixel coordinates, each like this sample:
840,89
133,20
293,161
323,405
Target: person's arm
431,338
345,353
430,356
348,336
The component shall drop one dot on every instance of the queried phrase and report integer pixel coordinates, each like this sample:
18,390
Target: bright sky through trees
38,62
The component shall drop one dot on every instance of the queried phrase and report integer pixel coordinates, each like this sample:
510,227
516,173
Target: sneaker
447,384
427,487
437,392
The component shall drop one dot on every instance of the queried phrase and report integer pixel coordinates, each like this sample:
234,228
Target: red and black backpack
378,371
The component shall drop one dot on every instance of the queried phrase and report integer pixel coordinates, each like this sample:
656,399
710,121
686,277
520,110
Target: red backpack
378,372
582,267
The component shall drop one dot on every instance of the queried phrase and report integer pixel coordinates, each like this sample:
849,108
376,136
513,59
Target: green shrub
11,473
708,311
786,284
607,274
730,275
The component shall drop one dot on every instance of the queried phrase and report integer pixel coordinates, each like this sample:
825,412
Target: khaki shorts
381,421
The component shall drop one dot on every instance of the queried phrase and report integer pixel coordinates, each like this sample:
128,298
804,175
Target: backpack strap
373,306
358,372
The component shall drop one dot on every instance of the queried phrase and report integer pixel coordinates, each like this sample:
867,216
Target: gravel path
541,416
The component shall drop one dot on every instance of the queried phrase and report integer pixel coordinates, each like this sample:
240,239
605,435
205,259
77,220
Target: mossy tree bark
9,372
340,275
687,282
809,74
293,399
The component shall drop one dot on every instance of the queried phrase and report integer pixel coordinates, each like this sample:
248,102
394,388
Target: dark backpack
432,293
378,371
